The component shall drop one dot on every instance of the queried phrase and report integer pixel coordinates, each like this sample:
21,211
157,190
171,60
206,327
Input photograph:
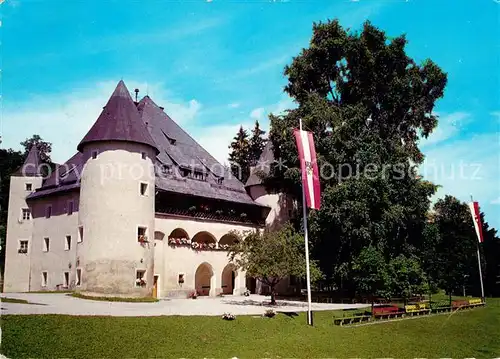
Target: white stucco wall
280,205
17,265
170,261
60,224
111,210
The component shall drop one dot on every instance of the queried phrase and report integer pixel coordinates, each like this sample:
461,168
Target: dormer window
169,139
199,176
166,169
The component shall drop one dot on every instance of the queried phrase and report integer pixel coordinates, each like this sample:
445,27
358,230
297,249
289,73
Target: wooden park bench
351,320
476,302
417,309
387,312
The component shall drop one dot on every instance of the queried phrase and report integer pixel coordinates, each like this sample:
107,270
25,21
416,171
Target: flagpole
479,263
306,240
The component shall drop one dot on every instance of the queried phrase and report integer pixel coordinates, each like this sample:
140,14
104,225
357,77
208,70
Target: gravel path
60,303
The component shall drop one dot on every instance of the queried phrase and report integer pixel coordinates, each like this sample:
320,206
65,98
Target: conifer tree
239,157
257,143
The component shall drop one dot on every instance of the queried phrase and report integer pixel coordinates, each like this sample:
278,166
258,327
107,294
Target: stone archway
203,279
227,241
228,279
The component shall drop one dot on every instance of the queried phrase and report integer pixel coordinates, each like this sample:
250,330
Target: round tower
117,202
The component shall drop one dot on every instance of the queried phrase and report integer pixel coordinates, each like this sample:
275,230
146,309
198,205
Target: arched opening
159,236
227,240
251,284
228,281
178,233
203,279
204,237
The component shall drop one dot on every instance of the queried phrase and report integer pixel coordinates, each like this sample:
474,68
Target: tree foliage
367,103
239,158
270,256
44,148
245,151
257,143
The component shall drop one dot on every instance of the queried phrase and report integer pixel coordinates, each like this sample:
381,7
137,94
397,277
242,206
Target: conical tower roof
31,165
119,121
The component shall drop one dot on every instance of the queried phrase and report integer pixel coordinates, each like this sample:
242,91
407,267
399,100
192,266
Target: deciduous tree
270,256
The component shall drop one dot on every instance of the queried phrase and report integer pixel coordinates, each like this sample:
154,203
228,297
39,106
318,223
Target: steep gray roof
263,166
177,151
180,151
31,165
118,121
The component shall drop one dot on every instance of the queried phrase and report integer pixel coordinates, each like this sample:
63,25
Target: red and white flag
474,210
309,167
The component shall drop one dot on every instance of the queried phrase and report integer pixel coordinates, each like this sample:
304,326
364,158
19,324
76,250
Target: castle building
141,209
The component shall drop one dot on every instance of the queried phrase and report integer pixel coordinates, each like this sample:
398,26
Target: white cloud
496,201
233,105
257,113
465,167
216,139
448,126
65,119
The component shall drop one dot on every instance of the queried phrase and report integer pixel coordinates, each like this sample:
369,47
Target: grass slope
472,333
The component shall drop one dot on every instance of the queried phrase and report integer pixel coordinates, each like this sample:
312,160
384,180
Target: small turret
23,182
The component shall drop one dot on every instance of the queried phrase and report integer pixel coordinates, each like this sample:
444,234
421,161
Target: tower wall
17,265
112,209
280,204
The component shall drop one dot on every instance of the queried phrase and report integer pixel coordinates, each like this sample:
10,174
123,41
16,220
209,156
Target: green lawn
472,333
115,299
15,300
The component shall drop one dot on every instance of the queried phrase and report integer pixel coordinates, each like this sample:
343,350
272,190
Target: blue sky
217,64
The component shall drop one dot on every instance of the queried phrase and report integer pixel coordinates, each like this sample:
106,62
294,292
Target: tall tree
270,256
257,143
367,104
44,148
491,258
239,157
456,249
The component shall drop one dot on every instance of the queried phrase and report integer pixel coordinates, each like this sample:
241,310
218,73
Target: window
66,280
26,214
29,187
70,208
184,172
141,234
67,243
80,235
23,246
48,211
166,169
44,279
220,180
46,244
94,154
139,277
78,277
143,155
199,176
144,189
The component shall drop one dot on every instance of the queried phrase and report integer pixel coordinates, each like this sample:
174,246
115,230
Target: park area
463,333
